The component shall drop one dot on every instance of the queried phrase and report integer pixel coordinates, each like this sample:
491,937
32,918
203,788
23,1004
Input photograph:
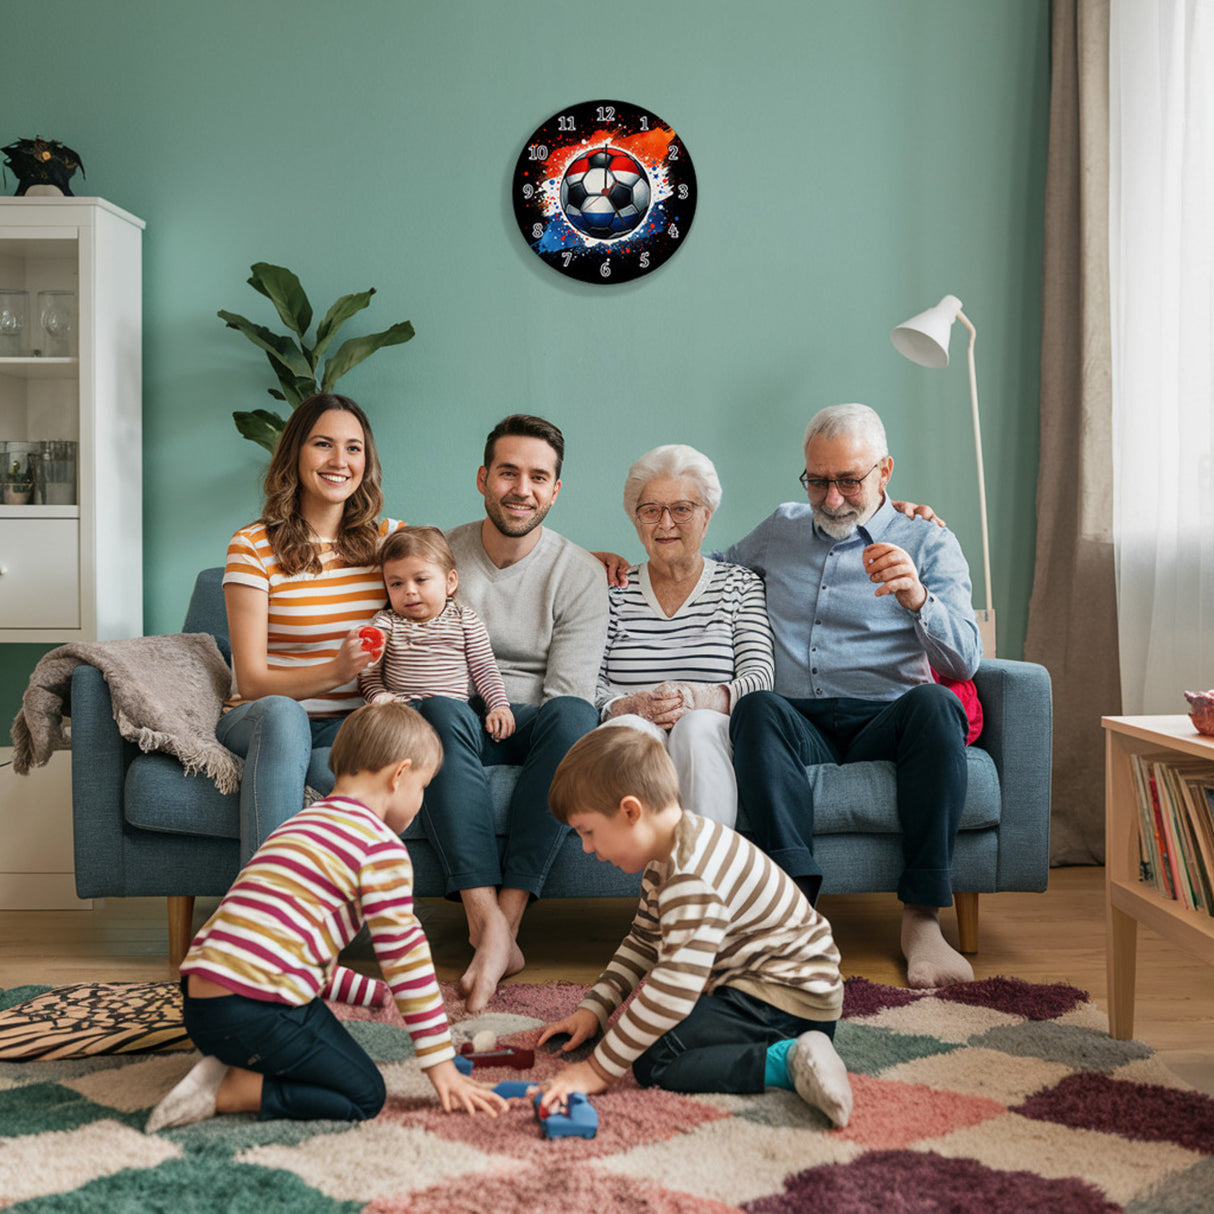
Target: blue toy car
579,1120
510,1088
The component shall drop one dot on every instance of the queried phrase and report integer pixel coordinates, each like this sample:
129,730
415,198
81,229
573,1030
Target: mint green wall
855,163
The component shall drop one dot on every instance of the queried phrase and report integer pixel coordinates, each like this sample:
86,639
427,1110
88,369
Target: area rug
992,1096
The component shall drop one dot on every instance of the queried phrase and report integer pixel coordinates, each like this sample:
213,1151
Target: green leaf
297,389
337,316
281,349
351,353
261,427
284,291
274,392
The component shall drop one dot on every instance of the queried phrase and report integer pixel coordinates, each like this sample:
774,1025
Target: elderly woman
687,636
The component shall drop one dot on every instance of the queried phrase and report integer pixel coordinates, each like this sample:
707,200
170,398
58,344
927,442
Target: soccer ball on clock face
605,193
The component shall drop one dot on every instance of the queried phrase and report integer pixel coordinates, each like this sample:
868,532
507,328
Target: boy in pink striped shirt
257,974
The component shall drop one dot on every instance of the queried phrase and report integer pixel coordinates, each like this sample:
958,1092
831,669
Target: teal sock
776,1073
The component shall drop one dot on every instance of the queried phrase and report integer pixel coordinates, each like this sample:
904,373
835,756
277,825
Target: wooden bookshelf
1128,900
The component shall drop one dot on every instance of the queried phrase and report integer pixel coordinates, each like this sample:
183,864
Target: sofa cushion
158,795
857,798
861,798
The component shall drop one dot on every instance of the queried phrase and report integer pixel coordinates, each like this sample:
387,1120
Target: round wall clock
604,191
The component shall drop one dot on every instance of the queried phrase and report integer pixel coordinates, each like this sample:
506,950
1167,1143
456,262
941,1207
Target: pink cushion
968,695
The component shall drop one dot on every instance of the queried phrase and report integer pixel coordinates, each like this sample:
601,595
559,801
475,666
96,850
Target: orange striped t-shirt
310,613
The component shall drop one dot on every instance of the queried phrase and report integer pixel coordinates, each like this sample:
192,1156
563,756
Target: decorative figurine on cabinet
42,166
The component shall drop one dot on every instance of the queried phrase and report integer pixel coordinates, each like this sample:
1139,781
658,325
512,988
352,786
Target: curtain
1072,625
1161,250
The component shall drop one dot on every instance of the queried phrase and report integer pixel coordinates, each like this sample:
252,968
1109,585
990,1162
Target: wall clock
604,191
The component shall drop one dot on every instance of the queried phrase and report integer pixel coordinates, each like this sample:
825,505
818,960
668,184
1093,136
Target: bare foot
930,960
497,956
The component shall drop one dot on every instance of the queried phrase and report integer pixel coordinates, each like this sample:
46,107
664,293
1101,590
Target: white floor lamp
924,340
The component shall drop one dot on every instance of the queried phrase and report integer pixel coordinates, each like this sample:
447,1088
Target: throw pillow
95,1018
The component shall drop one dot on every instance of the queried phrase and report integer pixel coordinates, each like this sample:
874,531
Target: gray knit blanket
168,693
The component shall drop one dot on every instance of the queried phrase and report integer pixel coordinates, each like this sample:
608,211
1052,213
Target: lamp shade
924,338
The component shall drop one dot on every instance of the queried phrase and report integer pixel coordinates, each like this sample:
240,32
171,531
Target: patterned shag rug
988,1097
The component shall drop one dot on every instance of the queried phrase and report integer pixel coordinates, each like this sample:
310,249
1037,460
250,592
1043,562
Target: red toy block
506,1055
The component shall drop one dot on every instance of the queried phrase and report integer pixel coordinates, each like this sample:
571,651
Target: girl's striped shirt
310,613
435,658
716,912
719,635
302,898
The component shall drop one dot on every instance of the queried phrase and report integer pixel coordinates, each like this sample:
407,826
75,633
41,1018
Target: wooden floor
1057,936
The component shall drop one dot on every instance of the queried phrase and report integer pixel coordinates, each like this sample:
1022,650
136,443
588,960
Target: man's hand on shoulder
616,567
918,510
895,573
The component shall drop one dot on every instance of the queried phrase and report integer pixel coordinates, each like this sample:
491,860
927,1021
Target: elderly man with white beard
864,604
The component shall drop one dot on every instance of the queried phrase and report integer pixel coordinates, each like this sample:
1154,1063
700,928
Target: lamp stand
986,619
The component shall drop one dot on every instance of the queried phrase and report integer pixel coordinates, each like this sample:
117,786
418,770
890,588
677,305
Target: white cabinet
71,559
37,867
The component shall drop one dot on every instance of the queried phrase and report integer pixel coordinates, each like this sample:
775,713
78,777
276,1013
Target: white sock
819,1076
930,960
193,1099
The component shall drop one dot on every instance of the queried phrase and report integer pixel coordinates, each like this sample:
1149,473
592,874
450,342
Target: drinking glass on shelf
14,315
58,472
57,318
19,473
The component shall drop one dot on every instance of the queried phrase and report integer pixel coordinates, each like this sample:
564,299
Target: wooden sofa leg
181,919
967,921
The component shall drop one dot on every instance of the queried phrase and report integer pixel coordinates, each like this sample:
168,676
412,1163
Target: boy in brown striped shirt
743,988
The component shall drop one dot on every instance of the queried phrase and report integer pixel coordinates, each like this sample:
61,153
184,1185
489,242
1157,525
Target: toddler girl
432,644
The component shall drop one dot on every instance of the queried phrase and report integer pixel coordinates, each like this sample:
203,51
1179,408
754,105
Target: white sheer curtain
1161,262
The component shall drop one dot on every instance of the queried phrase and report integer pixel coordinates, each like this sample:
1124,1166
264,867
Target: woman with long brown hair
298,585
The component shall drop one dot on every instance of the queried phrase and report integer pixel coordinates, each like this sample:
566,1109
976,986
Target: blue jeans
923,731
312,1067
721,1045
457,812
283,749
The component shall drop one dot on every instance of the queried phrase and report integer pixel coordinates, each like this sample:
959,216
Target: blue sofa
142,827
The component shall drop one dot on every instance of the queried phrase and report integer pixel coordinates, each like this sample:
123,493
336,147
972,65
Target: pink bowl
1201,704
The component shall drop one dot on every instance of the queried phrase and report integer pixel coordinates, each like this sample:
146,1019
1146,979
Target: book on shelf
1199,795
1175,797
1151,836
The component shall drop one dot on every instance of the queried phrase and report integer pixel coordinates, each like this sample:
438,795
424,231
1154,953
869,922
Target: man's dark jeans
922,732
457,812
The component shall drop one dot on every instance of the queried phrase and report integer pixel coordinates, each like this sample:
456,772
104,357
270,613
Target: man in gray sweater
544,602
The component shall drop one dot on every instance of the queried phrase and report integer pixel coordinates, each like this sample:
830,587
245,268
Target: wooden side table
1129,901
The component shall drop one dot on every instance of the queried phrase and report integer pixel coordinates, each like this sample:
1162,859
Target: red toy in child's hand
372,638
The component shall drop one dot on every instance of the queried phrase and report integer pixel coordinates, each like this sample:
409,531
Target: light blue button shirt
833,635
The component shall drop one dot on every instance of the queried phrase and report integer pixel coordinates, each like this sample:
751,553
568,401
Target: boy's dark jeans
313,1068
721,1046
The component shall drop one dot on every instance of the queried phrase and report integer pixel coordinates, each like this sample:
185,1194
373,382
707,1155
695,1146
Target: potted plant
18,484
294,360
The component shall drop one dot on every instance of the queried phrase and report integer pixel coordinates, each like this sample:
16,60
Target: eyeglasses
847,485
681,513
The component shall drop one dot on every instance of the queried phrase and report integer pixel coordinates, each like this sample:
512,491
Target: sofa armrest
1017,732
100,757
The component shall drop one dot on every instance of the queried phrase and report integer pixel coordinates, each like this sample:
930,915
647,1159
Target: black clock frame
580,130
